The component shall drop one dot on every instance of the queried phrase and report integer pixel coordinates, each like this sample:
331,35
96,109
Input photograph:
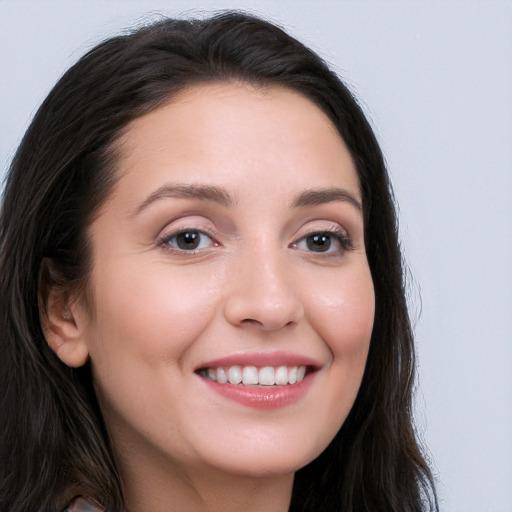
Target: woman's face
231,248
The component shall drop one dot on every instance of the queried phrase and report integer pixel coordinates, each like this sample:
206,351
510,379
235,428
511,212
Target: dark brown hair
53,440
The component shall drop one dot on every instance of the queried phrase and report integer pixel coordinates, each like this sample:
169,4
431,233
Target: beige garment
82,505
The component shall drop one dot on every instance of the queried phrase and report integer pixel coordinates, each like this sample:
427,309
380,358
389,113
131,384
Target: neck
208,492
204,489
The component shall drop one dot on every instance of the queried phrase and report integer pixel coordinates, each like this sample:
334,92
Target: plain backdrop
435,78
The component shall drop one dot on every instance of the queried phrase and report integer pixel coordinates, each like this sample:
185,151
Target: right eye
187,240
328,243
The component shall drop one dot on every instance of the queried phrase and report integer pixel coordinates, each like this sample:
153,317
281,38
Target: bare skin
234,234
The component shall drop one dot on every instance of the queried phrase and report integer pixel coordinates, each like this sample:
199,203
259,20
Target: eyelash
165,240
340,236
334,232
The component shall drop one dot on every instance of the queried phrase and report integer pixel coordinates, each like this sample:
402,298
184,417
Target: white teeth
281,376
235,375
266,376
222,377
252,376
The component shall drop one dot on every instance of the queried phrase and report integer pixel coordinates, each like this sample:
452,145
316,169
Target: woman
202,298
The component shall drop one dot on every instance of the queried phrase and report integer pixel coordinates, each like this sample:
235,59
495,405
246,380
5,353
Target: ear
64,327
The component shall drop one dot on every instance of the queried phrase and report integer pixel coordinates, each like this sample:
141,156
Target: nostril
249,321
269,324
263,304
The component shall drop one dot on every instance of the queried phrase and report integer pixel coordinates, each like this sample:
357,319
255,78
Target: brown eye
187,240
330,243
319,242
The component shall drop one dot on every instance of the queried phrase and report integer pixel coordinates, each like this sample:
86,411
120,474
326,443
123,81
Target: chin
269,461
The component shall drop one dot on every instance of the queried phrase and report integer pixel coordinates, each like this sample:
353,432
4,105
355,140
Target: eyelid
170,233
319,226
339,233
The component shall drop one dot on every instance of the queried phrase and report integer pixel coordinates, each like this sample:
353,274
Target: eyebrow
202,192
325,195
220,196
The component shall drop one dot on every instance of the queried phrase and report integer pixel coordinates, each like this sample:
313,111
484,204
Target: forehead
223,131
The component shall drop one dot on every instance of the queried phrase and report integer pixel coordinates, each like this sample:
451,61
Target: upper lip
261,359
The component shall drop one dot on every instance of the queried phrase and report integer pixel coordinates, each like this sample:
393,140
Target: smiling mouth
254,376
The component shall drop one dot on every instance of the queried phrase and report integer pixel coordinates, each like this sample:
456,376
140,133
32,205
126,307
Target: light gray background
436,81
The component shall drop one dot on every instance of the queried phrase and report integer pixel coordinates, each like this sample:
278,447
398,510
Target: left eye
188,240
323,242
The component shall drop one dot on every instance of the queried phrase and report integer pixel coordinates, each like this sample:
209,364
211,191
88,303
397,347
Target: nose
263,293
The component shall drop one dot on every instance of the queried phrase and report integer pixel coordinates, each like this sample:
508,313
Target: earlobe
64,329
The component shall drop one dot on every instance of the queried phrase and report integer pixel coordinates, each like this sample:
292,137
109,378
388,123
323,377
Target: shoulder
82,505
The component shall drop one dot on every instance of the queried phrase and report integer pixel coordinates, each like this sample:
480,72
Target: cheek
343,317
343,312
154,309
139,341
143,331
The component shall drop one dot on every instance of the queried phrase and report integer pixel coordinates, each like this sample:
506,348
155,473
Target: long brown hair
53,440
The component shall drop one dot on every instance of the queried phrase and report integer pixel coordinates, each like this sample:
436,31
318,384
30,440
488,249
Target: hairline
82,292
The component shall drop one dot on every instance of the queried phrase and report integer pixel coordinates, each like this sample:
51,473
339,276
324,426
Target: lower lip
271,397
